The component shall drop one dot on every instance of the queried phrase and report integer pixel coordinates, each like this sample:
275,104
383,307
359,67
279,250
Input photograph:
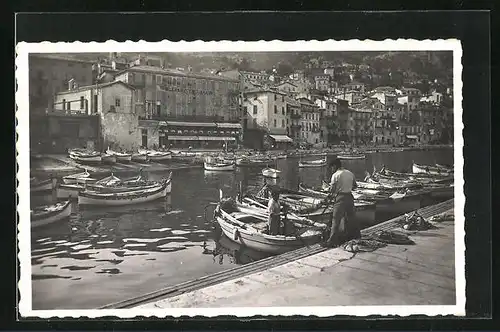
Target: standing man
341,185
274,210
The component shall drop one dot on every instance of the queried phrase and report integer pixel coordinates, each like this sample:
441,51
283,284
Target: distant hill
431,64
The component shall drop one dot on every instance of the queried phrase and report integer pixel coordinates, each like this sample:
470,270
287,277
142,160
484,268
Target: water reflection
115,253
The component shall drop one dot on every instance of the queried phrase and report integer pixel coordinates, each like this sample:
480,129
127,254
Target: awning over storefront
191,124
281,138
215,138
229,125
182,138
412,136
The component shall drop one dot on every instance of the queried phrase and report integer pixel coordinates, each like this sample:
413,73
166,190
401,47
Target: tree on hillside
284,69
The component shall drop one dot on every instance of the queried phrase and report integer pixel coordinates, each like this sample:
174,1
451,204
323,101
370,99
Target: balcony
189,118
295,116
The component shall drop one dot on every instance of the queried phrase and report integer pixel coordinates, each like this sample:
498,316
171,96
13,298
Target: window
82,103
69,105
275,97
275,123
117,102
158,79
283,97
254,109
283,110
275,109
283,123
64,104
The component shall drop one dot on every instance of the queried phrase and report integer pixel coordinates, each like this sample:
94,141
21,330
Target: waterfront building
388,99
50,74
114,103
310,122
360,129
189,102
293,118
354,86
385,128
265,112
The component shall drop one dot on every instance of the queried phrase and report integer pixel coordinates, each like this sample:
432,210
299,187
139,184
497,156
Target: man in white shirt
343,223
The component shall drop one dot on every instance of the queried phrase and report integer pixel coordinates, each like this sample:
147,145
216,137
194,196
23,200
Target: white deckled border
23,190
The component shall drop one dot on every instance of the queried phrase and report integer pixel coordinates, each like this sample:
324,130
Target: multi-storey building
293,118
360,129
324,83
352,96
310,122
266,110
289,88
186,106
113,103
50,74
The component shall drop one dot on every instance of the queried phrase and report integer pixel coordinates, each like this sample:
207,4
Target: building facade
310,122
50,74
114,103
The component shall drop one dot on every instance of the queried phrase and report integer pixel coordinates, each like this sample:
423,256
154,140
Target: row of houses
144,104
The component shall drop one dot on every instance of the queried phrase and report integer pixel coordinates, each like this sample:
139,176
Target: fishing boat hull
277,244
140,157
306,165
351,157
160,157
82,159
430,170
78,178
252,163
38,220
271,173
123,158
41,186
124,198
219,167
69,190
108,159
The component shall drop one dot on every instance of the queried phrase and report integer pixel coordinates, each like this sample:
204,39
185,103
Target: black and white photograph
240,178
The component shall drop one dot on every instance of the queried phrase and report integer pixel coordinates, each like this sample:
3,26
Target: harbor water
105,255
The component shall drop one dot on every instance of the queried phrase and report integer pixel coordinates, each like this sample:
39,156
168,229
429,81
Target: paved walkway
419,274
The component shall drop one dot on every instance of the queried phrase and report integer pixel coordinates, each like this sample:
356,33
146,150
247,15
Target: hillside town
127,104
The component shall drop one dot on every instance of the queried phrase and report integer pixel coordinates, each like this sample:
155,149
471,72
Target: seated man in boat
343,223
274,210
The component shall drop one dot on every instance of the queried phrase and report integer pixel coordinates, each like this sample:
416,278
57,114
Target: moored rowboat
351,156
132,196
271,173
45,215
219,166
108,158
122,157
83,177
41,185
312,163
431,170
247,227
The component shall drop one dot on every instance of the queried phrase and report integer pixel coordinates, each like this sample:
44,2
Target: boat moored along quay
45,215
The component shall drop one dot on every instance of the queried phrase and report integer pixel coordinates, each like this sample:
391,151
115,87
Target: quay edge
311,273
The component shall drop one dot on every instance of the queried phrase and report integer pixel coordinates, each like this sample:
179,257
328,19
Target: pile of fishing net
442,217
377,240
415,222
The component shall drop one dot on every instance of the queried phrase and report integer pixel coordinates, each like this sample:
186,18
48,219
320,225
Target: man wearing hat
343,223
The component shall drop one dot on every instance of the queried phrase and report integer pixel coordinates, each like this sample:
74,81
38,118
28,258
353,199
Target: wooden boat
42,185
114,184
246,225
249,161
45,215
312,163
83,159
219,165
317,208
431,170
447,167
121,157
108,158
140,157
69,190
271,173
83,177
393,203
131,196
157,155
438,191
351,156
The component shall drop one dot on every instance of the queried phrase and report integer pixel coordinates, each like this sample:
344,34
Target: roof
281,138
257,91
168,71
97,86
292,101
282,83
